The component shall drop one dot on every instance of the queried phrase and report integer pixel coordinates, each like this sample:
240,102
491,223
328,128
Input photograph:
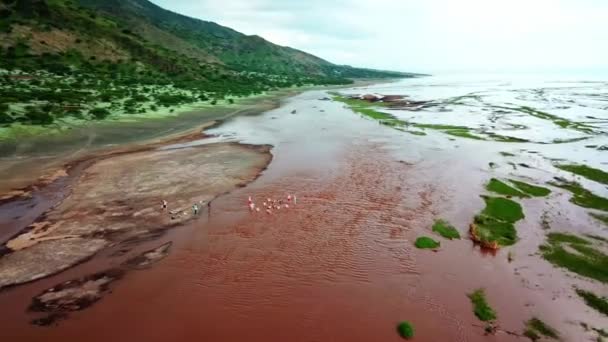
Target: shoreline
94,219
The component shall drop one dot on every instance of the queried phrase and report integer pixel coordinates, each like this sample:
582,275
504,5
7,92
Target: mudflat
119,198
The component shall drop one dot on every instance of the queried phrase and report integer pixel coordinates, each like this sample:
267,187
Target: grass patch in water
585,171
441,127
457,131
405,330
576,255
425,242
596,302
535,328
502,188
554,238
561,122
463,133
503,209
582,197
505,138
529,189
482,310
495,225
596,237
446,230
507,154
600,217
571,140
365,108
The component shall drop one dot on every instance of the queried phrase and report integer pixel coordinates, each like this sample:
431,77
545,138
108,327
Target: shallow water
340,265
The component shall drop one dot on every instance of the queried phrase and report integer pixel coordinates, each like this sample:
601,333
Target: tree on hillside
99,113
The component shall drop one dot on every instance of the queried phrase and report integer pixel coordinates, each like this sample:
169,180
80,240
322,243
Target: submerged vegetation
481,308
519,189
598,303
499,187
535,328
576,255
582,197
531,190
425,242
600,217
446,230
586,171
559,121
405,330
495,225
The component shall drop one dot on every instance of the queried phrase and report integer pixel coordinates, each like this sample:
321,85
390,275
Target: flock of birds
271,204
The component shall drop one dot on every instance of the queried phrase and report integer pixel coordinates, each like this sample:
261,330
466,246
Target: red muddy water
338,266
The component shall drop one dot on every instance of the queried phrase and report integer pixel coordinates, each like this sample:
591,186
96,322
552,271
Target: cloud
430,35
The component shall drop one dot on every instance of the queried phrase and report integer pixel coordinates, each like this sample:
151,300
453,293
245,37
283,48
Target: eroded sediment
119,197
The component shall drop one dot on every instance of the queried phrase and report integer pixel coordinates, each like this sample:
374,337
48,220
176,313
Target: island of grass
577,255
535,329
519,189
495,225
582,197
559,121
446,230
481,308
585,171
367,109
457,131
405,330
502,188
507,154
600,217
531,190
425,242
596,302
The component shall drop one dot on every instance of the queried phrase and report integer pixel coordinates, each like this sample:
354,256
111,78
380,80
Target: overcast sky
425,35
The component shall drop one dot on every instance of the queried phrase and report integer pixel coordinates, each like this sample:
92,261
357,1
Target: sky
425,35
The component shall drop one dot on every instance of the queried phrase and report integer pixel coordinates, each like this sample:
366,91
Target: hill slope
91,58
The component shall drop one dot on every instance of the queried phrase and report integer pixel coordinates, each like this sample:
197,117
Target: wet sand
338,266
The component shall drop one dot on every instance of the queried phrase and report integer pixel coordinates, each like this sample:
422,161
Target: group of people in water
272,204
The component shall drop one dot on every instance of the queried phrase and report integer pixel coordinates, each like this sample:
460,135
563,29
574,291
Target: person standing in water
163,205
195,209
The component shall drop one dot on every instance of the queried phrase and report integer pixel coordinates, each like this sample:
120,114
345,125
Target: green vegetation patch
535,328
503,209
481,308
597,237
425,242
586,171
495,225
457,131
463,133
502,188
600,217
598,303
446,230
531,190
405,330
507,154
559,121
582,197
366,108
576,255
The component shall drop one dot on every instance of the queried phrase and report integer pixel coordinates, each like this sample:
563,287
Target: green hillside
88,59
